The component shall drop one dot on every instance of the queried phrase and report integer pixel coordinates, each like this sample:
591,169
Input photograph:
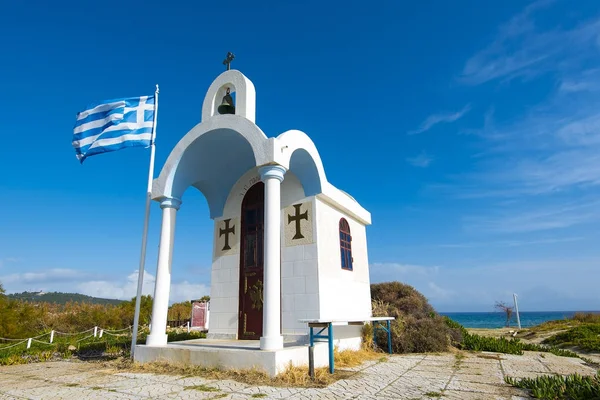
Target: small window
345,245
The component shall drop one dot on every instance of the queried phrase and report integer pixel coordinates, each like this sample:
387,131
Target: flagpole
136,316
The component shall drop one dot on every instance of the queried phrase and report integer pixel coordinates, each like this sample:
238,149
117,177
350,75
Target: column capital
170,202
272,171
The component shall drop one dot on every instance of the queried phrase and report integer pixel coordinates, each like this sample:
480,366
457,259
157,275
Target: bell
227,106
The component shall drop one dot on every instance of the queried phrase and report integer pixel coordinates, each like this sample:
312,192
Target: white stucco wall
313,284
343,294
299,266
224,297
299,277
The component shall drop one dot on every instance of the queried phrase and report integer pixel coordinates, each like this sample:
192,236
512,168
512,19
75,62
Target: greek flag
113,125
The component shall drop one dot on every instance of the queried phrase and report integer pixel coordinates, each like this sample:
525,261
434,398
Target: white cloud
444,117
8,260
520,49
542,285
33,279
510,243
422,160
546,159
97,285
127,289
536,218
586,81
547,163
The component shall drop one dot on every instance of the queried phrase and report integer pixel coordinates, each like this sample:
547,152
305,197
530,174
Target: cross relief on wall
227,236
298,224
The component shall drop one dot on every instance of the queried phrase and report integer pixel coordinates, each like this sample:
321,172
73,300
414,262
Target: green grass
476,342
585,336
550,349
203,388
553,387
433,394
496,345
85,347
258,395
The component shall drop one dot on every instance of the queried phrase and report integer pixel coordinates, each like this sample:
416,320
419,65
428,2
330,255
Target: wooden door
251,264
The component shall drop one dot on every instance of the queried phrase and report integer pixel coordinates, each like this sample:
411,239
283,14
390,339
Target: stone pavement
473,376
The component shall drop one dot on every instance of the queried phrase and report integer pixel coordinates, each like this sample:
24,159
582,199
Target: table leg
330,339
389,329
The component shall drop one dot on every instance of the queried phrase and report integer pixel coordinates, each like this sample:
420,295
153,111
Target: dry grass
291,377
489,356
353,358
587,317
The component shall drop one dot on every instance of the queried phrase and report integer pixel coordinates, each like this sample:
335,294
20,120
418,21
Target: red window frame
346,246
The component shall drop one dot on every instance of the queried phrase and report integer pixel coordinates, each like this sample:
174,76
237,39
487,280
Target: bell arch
245,95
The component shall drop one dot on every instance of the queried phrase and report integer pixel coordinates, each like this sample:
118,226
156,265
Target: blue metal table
379,324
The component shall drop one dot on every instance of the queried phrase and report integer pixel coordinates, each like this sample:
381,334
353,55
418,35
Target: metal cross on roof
227,61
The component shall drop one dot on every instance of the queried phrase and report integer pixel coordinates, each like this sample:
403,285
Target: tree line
21,318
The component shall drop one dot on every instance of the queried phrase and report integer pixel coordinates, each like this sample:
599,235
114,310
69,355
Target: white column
160,306
272,176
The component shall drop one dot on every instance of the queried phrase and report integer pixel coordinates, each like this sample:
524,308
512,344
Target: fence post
29,343
188,326
95,331
51,336
101,332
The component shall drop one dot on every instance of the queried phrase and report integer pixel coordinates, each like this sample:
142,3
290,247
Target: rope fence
14,345
97,332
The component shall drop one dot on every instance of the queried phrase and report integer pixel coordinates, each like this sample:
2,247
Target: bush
586,337
588,317
402,299
179,336
497,345
474,342
549,349
417,328
570,387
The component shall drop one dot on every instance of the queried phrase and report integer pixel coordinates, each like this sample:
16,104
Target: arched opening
305,169
225,100
192,260
221,150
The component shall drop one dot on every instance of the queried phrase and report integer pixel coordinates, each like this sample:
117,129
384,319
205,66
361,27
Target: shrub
417,328
549,349
587,337
588,317
402,299
476,342
179,336
497,345
571,387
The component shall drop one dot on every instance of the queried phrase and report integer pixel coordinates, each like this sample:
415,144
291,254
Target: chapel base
236,354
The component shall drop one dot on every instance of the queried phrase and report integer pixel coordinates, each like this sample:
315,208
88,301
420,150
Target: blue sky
470,131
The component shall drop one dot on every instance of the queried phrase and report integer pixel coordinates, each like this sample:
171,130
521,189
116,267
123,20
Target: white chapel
288,245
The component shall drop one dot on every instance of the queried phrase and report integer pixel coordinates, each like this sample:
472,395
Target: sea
498,319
